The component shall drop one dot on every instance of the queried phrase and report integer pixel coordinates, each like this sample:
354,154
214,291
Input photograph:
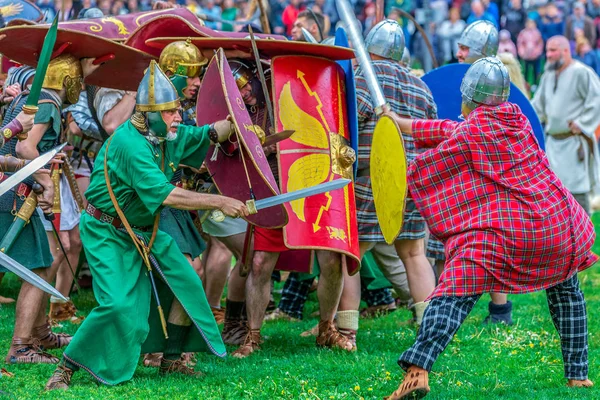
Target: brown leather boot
46,339
331,338
176,367
60,379
414,386
250,345
24,351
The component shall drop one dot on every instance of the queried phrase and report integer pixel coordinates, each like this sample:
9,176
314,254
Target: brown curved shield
219,97
167,25
178,26
123,67
121,27
267,47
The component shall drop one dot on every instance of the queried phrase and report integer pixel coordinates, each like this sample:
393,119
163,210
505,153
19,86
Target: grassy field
518,362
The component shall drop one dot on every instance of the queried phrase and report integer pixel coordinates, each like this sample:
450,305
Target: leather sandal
330,337
46,339
414,386
176,367
60,379
23,351
152,359
250,345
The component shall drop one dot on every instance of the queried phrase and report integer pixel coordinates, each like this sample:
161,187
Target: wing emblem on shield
310,99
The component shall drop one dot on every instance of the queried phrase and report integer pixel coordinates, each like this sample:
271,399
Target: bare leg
421,279
28,308
499,298
350,299
330,283
216,269
177,315
258,286
236,288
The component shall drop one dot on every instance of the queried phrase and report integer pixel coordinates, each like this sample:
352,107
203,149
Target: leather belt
563,136
109,219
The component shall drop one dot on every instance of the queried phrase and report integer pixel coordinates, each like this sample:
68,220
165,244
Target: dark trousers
534,66
444,316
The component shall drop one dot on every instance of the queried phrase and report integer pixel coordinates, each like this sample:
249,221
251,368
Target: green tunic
125,324
31,248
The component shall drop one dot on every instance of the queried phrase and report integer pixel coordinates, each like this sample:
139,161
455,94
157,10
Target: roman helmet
156,93
481,37
65,71
485,83
386,40
182,60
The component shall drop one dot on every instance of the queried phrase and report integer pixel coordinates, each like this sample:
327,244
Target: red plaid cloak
487,191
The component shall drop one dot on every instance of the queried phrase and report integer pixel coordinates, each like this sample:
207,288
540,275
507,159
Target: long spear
388,160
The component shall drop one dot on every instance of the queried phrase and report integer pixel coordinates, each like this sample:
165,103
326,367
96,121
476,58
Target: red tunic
487,191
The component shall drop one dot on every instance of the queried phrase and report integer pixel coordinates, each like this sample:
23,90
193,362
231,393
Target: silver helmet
481,37
386,39
405,61
485,83
155,93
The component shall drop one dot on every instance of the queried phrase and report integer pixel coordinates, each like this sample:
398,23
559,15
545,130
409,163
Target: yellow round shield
388,177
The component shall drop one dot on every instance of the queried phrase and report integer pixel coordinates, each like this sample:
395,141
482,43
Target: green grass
518,362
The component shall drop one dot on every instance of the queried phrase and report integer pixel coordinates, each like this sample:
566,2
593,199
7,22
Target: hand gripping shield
239,167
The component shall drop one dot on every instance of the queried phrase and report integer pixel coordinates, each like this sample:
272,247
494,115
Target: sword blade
28,276
29,169
299,194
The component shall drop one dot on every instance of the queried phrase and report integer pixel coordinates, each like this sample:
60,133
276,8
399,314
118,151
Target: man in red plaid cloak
509,224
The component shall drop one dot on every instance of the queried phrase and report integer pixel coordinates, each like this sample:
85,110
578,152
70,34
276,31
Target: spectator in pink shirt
289,16
506,45
530,46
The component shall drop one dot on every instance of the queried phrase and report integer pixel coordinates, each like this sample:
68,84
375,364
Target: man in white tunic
567,102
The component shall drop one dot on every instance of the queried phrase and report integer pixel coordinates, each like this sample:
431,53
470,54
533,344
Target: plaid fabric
435,249
376,297
444,316
408,97
487,192
567,308
413,226
294,295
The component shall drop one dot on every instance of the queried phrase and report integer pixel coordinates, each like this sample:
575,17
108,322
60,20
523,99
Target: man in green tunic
128,188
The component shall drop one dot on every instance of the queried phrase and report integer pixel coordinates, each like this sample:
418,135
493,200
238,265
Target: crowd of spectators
525,25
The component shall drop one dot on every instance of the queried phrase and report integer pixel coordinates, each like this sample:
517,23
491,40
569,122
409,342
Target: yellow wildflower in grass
357,388
370,389
459,383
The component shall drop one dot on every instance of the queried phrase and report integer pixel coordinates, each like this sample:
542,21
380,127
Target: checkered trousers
409,97
444,316
435,249
294,295
376,297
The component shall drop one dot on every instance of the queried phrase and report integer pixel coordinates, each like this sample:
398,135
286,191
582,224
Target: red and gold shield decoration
309,97
242,168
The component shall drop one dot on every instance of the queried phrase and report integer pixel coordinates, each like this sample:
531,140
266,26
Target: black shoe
499,313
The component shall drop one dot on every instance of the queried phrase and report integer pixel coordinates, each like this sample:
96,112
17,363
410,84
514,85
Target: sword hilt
38,189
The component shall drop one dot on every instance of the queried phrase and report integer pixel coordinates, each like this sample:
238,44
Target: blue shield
342,40
20,9
444,83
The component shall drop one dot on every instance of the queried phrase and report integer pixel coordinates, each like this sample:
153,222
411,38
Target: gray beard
554,66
